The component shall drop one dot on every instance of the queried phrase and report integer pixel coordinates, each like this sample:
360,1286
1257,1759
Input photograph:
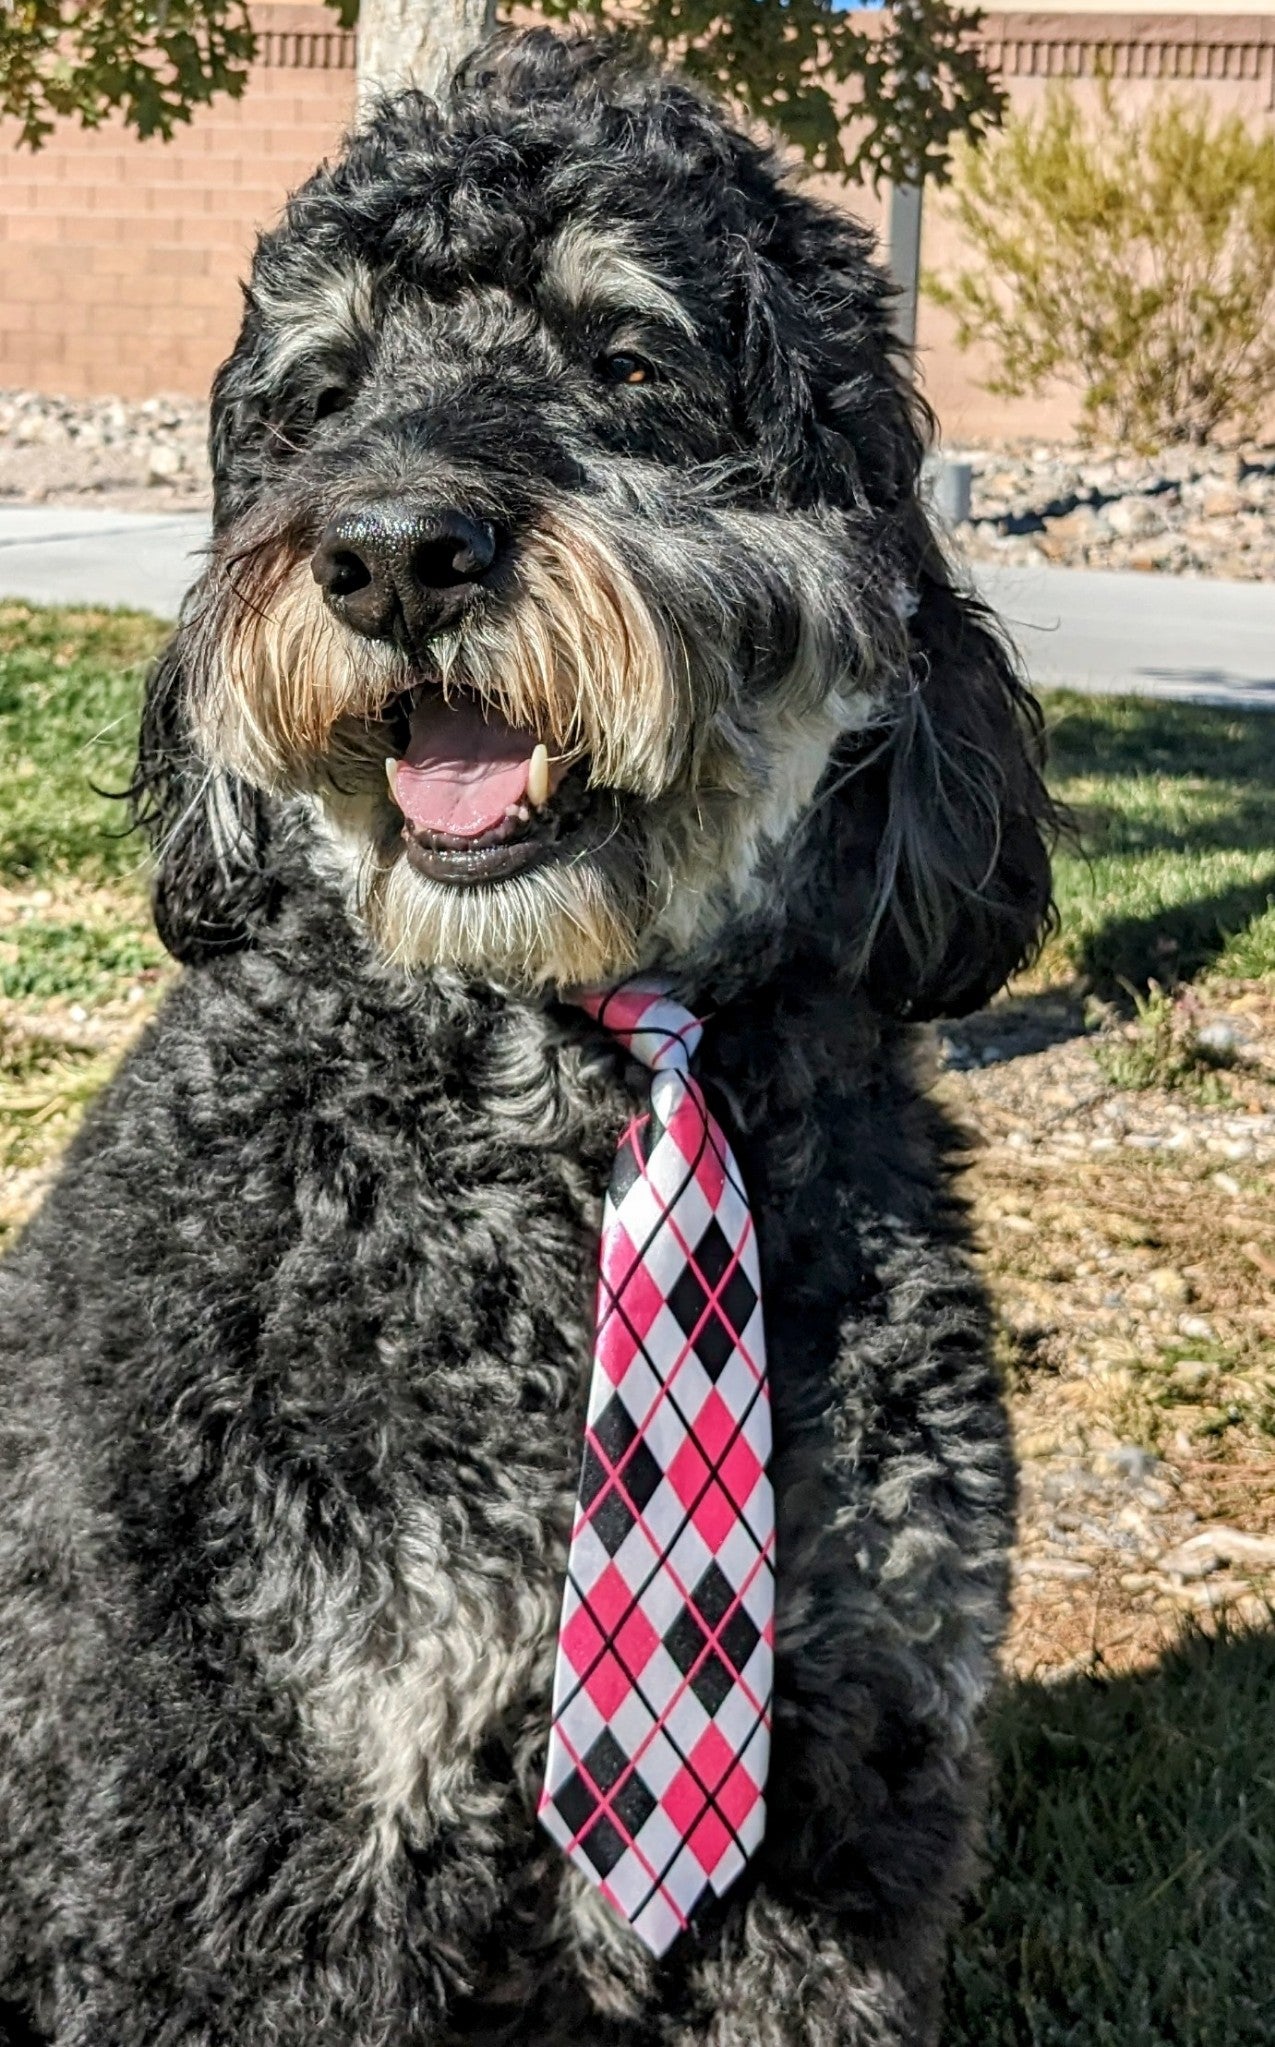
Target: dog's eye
625,369
334,399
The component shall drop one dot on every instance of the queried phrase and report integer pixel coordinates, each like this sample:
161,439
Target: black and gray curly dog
563,442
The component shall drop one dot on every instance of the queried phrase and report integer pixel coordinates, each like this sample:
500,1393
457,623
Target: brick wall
119,259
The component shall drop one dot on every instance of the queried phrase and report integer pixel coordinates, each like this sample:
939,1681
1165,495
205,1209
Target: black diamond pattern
593,1475
712,1682
604,1761
626,1171
687,1300
633,1804
576,1802
713,1254
684,1640
713,1596
739,1638
615,1428
613,1520
641,1475
714,1346
737,1299
604,1845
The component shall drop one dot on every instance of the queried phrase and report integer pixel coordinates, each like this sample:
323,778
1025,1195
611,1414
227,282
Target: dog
565,440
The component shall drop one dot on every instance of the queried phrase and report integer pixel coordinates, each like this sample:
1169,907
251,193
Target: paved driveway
1164,636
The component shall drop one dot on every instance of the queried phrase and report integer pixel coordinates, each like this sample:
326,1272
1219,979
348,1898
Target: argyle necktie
660,1735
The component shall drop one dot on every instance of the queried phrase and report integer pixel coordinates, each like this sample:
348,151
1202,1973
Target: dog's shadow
1129,1898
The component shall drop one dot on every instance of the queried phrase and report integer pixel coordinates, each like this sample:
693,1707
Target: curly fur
295,1353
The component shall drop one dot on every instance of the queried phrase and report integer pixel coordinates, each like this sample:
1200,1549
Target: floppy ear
936,823
207,829
944,829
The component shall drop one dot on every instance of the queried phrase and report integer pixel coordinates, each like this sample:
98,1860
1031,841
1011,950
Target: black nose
391,568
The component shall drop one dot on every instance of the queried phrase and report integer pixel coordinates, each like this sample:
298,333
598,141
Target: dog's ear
207,829
942,828
939,818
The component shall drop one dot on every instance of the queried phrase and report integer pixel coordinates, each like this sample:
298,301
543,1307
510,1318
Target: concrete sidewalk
68,556
1196,640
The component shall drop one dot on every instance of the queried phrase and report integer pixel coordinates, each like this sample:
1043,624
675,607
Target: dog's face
566,522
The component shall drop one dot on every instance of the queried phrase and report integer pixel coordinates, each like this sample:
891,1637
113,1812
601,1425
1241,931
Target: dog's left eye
625,369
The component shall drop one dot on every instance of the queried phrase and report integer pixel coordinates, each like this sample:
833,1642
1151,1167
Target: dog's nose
389,566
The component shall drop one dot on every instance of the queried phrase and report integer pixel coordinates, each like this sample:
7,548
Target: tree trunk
417,42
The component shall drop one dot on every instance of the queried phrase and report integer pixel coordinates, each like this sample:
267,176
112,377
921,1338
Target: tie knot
646,1019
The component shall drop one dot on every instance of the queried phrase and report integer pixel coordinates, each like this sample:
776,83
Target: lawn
1129,1897
1176,810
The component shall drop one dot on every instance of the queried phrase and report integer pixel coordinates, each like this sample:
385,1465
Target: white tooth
538,777
391,772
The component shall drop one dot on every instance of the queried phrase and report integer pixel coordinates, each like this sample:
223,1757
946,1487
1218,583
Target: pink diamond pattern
660,1739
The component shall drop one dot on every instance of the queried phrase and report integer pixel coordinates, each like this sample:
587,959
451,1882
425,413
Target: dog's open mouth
481,799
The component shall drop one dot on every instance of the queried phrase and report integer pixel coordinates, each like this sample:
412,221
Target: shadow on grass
1130,1898
1175,810
1135,735
1175,942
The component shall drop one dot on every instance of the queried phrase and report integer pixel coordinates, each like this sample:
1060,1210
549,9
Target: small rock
1128,1461
1222,500
1213,1548
1218,1548
1193,1374
1169,1286
1134,518
1197,1327
163,463
1218,1037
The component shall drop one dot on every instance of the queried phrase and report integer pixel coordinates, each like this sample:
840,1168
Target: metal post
903,236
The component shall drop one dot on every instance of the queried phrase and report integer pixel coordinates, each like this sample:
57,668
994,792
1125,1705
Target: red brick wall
119,259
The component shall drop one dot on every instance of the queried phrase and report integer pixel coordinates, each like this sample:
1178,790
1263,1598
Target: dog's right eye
334,399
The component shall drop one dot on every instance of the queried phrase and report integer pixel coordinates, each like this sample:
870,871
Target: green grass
42,959
70,687
1176,809
1130,1898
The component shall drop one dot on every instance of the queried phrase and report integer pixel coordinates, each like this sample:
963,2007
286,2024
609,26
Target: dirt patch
1128,1237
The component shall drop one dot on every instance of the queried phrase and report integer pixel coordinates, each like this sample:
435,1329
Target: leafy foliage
885,101
153,61
875,102
1129,254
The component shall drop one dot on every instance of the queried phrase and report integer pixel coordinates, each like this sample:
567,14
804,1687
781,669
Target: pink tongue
462,770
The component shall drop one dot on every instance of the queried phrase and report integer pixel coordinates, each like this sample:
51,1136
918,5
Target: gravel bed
1188,511
129,456
1129,1240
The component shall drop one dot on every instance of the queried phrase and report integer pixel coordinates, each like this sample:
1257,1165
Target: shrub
1129,254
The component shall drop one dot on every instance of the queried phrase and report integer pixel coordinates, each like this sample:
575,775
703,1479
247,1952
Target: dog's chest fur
431,1412
387,1210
